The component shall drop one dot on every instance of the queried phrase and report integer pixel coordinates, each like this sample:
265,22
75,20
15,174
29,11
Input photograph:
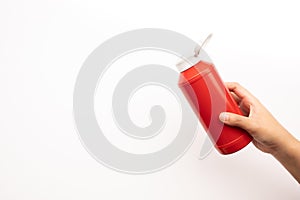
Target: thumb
235,120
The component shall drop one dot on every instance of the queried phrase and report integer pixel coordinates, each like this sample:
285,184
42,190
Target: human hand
268,135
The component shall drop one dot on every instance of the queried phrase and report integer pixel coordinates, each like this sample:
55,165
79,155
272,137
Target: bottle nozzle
199,47
189,62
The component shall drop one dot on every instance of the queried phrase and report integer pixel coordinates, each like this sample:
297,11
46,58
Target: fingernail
223,117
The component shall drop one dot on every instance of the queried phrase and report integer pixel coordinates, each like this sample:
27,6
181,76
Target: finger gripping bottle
202,86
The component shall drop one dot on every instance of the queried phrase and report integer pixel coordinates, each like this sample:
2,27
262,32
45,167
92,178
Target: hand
268,135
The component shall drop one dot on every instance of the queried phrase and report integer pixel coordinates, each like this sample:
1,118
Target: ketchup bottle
202,86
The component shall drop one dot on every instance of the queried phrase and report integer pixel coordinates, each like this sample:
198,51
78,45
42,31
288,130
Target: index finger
239,90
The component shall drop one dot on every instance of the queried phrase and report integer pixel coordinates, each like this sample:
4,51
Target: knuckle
254,126
236,84
235,120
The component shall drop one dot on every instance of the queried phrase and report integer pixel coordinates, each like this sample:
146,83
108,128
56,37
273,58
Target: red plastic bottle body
208,96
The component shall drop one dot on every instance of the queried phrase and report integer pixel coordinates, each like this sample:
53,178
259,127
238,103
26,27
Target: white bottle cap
187,63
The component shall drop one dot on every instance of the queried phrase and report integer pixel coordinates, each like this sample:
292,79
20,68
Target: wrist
288,155
287,148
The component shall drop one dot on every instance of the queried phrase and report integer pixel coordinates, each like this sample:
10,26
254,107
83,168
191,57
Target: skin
268,134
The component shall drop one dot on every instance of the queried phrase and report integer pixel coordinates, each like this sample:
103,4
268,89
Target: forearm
268,135
288,154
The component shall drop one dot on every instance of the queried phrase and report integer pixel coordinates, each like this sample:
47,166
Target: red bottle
208,96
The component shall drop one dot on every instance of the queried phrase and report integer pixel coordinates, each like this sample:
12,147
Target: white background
42,47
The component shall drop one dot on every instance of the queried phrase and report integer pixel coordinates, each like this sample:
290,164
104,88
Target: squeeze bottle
208,96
